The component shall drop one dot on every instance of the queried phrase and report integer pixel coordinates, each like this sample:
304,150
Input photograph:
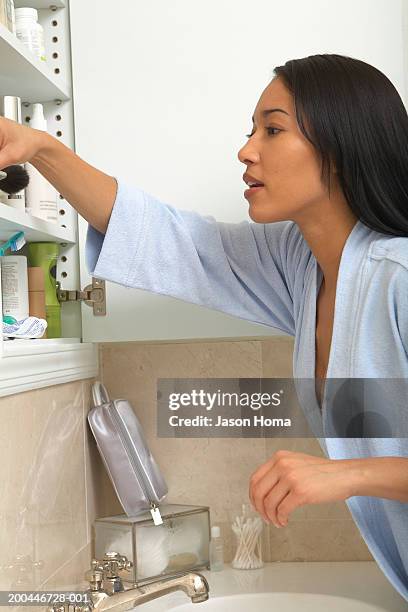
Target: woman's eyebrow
266,112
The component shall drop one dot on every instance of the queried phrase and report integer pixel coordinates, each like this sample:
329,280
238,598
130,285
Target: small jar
247,526
30,32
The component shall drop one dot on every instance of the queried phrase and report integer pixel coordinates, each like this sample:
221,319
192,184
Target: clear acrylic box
179,545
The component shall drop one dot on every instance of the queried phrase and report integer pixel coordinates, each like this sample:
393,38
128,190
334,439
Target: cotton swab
247,531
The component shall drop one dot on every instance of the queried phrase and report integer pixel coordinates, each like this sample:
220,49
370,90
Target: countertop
362,580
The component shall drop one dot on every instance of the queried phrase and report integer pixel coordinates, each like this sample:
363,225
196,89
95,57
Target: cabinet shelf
39,4
31,364
35,229
28,346
22,74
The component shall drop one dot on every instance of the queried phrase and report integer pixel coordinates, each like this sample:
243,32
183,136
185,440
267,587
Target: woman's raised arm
90,191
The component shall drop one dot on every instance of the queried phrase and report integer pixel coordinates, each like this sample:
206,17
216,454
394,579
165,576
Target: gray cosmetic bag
134,473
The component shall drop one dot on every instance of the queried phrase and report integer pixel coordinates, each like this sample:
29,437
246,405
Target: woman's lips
252,190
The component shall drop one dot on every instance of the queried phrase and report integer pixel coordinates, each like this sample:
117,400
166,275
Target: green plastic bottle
45,255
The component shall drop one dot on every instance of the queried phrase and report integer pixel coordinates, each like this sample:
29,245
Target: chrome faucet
114,598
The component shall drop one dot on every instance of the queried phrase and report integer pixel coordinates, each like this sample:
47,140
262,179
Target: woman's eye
268,129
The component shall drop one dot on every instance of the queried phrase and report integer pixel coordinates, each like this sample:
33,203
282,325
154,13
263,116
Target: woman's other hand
289,480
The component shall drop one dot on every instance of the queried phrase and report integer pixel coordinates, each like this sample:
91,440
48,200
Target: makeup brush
13,179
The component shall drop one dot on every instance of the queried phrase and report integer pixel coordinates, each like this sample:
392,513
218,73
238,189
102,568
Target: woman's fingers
287,505
263,469
272,501
284,460
260,490
275,479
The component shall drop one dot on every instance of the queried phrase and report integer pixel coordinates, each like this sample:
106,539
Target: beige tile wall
44,527
53,483
216,471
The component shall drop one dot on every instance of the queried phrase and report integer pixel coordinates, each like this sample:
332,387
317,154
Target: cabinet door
163,96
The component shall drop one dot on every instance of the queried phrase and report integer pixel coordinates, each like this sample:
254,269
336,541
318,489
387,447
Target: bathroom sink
317,586
284,602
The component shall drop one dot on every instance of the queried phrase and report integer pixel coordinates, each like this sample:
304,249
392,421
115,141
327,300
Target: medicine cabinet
94,103
27,364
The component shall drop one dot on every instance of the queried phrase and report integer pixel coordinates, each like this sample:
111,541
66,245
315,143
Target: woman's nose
247,154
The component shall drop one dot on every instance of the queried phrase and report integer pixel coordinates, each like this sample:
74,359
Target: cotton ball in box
152,550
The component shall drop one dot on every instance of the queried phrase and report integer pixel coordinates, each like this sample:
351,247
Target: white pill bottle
30,32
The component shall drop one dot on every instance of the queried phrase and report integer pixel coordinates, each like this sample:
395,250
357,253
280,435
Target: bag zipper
124,436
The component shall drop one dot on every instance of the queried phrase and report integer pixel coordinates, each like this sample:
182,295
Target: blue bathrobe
266,273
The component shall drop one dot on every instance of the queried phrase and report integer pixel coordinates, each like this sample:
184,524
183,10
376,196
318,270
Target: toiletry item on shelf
247,528
30,32
14,243
45,255
11,15
11,109
7,15
216,550
3,13
8,319
36,293
28,328
41,197
13,179
14,286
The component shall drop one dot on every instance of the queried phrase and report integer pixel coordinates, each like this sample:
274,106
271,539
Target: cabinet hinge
93,295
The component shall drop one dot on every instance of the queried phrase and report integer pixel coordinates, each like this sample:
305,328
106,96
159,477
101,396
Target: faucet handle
108,568
95,578
112,563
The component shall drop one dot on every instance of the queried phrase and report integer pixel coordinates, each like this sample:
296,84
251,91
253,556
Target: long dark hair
353,115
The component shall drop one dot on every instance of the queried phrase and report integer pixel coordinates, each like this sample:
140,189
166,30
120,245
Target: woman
326,260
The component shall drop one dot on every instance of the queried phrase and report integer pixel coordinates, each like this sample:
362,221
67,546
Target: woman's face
280,157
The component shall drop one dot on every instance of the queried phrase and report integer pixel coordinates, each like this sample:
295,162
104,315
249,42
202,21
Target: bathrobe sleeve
401,306
241,269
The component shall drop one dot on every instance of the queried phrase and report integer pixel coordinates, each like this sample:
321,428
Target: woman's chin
263,215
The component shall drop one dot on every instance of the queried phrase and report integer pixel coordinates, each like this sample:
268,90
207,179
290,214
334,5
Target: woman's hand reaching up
18,143
91,192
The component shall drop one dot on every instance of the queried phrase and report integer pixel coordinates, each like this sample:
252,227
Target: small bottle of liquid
41,197
216,550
